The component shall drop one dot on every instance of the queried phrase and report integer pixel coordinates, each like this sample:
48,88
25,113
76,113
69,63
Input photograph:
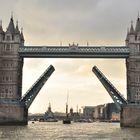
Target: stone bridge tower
11,75
133,64
130,115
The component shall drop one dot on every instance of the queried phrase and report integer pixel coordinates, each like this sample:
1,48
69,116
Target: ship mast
67,104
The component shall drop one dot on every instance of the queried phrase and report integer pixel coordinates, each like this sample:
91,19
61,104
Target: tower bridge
14,107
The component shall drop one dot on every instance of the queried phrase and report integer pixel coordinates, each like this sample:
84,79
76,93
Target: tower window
7,47
6,90
8,37
7,78
12,37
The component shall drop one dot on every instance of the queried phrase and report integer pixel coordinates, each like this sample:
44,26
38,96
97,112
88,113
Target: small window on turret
7,47
8,37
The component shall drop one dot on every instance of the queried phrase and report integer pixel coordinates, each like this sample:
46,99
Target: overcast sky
49,22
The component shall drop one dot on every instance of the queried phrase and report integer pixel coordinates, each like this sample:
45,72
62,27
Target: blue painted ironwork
113,92
74,52
30,95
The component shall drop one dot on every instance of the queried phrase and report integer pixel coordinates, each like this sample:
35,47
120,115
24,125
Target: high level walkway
74,52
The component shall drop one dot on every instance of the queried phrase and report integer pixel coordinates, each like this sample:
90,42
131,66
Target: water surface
74,131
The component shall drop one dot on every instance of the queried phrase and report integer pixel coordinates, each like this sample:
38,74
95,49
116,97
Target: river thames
74,131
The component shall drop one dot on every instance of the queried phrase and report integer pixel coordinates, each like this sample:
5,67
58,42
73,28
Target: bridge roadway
74,52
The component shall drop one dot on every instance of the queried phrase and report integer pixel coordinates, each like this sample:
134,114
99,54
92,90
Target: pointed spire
127,36
49,108
17,29
1,29
137,29
21,35
131,28
11,27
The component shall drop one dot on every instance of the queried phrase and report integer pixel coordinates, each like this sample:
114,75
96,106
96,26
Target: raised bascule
14,107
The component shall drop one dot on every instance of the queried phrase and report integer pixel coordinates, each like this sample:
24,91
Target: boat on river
49,116
67,120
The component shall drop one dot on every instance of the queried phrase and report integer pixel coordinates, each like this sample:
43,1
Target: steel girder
113,92
30,95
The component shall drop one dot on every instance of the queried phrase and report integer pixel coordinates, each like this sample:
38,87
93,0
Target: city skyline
82,24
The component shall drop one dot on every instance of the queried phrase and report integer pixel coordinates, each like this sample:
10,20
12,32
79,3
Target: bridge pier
13,114
130,116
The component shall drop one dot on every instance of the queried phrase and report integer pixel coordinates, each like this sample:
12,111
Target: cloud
51,21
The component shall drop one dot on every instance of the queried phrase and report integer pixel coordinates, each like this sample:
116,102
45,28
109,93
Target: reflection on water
75,131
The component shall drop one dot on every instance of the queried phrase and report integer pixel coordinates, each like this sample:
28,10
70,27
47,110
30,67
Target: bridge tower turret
133,64
10,74
11,66
130,115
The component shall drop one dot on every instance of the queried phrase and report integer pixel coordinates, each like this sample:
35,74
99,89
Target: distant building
115,116
88,112
102,112
109,109
98,112
74,115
